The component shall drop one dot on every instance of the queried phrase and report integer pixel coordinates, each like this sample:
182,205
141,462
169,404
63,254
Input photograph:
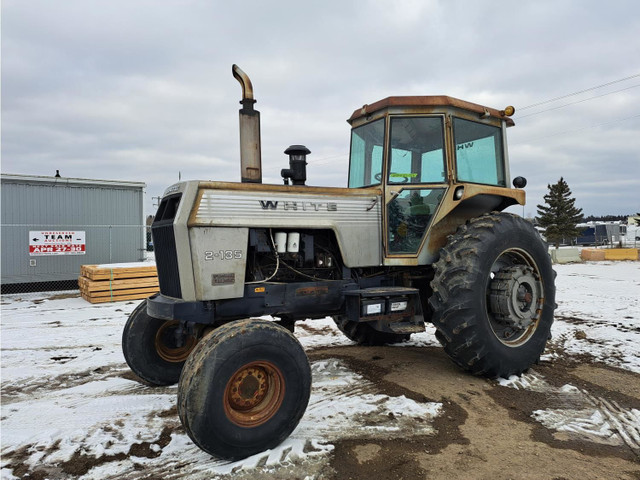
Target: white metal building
53,225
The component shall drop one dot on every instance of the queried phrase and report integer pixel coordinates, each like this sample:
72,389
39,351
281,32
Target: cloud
143,90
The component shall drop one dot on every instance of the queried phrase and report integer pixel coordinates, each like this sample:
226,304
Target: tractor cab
434,157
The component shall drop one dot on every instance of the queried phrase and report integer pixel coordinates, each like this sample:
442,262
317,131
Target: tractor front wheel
244,388
151,348
494,296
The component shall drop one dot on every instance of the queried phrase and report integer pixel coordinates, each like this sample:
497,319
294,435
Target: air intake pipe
250,150
297,170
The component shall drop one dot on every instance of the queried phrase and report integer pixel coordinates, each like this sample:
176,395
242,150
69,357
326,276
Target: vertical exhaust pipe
250,150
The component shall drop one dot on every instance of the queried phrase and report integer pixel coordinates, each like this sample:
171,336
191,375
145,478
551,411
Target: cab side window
479,153
365,161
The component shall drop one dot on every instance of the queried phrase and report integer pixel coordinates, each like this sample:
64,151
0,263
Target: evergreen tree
559,215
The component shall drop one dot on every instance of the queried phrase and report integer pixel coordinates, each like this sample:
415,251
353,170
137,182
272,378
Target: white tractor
417,236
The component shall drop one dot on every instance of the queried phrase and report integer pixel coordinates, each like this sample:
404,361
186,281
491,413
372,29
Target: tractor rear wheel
365,334
494,296
151,349
244,388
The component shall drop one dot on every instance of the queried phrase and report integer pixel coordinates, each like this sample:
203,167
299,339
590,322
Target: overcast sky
142,90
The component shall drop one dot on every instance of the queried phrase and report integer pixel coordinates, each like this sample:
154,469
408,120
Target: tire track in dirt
493,422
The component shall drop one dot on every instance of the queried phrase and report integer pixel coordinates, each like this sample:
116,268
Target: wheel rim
166,343
515,296
254,394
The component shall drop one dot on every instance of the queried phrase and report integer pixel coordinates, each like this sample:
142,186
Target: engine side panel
219,261
355,219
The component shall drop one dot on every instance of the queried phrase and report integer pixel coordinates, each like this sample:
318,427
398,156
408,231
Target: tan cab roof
428,102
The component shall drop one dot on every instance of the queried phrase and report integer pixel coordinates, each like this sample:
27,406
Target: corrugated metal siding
111,216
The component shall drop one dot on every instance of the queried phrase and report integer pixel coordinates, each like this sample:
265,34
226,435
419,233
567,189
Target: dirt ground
486,431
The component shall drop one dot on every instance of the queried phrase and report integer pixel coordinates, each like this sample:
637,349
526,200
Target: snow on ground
67,392
593,418
598,315
599,312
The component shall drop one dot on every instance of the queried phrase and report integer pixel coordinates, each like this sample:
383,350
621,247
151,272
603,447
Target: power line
577,101
579,92
331,158
581,129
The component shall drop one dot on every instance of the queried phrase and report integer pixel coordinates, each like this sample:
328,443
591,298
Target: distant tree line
607,218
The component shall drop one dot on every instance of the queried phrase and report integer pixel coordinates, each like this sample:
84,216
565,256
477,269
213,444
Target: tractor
419,235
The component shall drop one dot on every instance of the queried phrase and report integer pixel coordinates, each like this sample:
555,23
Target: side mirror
519,182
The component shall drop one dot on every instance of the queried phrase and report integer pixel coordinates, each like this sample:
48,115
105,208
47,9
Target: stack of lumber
117,281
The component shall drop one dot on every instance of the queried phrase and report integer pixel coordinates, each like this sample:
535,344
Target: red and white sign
57,243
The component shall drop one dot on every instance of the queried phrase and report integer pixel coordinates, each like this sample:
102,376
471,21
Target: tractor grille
164,245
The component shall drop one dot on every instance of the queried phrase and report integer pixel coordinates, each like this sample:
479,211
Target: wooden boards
117,282
115,271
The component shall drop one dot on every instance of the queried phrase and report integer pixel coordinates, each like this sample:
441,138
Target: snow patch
599,420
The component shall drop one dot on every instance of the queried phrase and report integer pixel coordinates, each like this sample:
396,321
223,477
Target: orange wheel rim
166,343
254,394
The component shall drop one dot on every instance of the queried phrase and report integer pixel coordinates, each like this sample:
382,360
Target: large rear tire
364,334
494,296
150,348
244,388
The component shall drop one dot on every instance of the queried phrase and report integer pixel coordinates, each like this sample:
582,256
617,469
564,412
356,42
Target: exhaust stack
250,150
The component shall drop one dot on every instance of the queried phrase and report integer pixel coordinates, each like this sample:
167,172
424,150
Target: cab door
415,181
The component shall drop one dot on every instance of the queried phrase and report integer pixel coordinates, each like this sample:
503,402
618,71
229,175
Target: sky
142,90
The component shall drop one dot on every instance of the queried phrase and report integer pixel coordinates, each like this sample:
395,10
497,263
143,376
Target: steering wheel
378,177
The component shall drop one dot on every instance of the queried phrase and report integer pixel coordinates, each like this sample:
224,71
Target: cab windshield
417,150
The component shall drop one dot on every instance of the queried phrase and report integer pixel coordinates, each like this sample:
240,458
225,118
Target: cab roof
414,103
